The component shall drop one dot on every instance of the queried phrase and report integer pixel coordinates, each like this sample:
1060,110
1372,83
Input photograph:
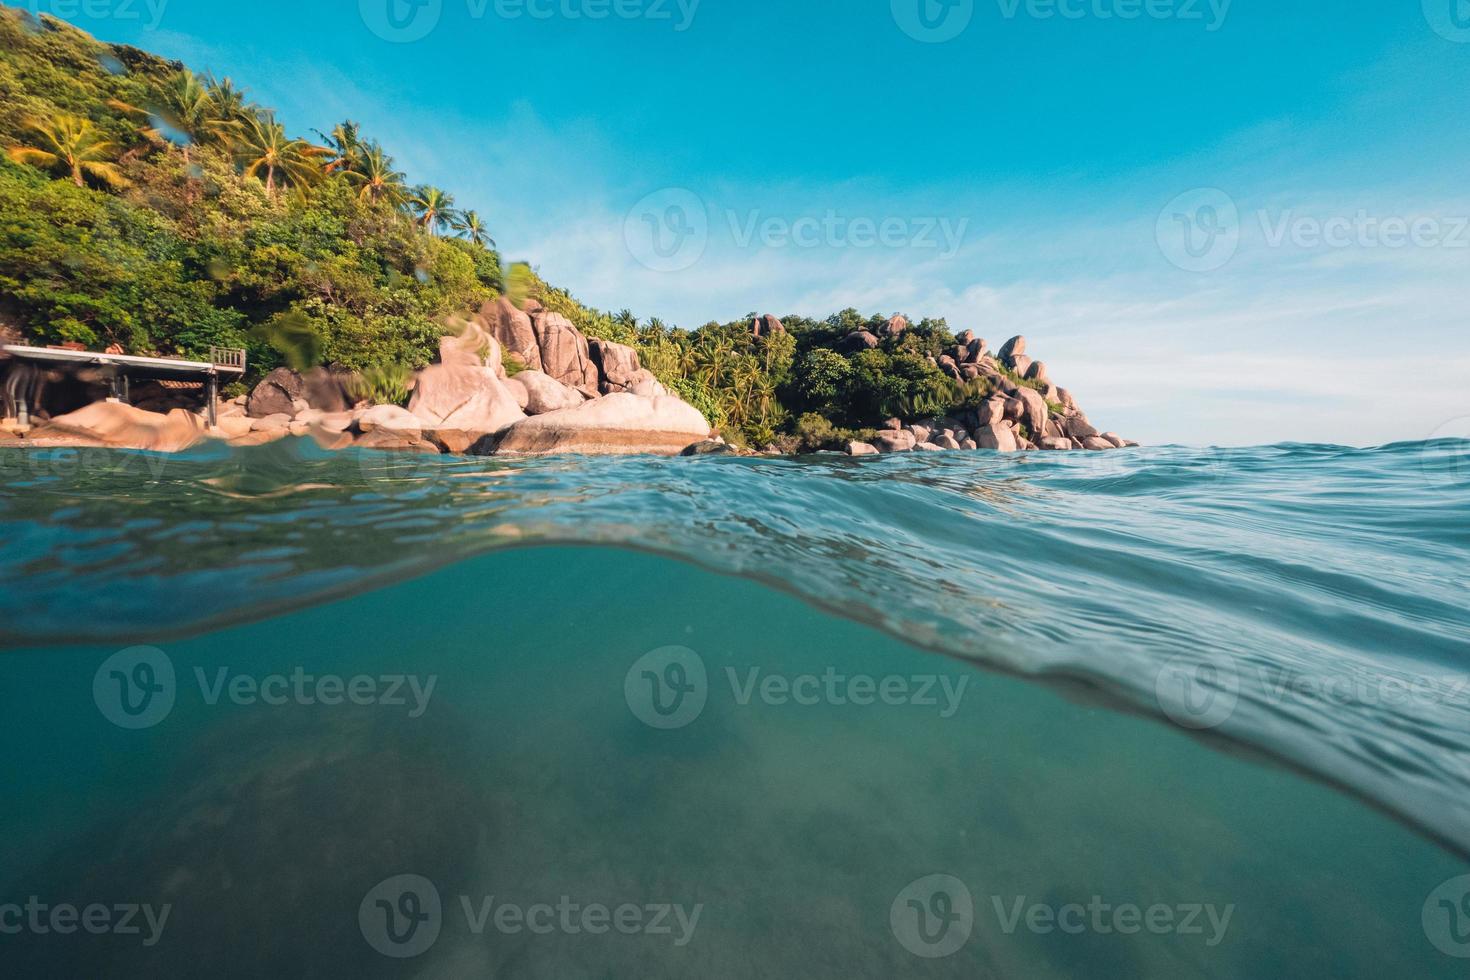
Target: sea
1165,712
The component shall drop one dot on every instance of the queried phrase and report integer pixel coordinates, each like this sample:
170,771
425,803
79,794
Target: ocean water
1165,712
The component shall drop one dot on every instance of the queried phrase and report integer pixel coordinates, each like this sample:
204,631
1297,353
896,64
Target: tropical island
153,213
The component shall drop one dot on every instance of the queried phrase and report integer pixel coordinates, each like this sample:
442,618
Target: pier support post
211,392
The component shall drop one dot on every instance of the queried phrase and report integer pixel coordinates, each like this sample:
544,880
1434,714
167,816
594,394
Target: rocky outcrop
471,345
1001,438
766,325
895,326
614,424
513,330
859,340
276,394
390,418
329,391
119,426
545,394
617,366
1011,349
468,399
564,353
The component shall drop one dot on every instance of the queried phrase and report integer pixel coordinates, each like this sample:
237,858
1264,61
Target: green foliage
222,229
383,384
145,206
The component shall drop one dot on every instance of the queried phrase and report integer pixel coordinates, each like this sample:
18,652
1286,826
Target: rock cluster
563,393
1012,418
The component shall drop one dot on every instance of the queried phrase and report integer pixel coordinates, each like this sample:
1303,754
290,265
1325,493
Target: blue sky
1218,221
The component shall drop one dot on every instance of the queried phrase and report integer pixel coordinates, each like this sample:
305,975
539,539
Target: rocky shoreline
527,382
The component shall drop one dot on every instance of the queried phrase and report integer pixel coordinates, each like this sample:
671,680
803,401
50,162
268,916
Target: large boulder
650,387
1037,372
564,352
121,426
765,326
276,394
1077,427
1001,438
858,340
1034,413
617,365
1012,348
513,330
517,390
975,350
895,326
546,394
991,411
471,345
895,442
617,424
393,419
468,399
329,391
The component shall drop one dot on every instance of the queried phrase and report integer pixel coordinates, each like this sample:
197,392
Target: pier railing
232,358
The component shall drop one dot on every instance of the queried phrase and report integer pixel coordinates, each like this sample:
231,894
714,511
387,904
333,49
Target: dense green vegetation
148,207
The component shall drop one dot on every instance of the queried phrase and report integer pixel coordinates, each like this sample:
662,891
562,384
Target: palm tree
187,112
265,149
433,209
472,226
187,107
345,145
75,144
375,178
230,104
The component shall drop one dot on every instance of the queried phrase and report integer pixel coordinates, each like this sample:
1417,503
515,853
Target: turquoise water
1224,688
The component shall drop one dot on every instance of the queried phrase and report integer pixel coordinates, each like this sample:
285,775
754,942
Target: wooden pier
122,368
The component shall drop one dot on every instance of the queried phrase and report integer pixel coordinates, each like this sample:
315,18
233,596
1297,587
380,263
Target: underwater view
1166,712
734,489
